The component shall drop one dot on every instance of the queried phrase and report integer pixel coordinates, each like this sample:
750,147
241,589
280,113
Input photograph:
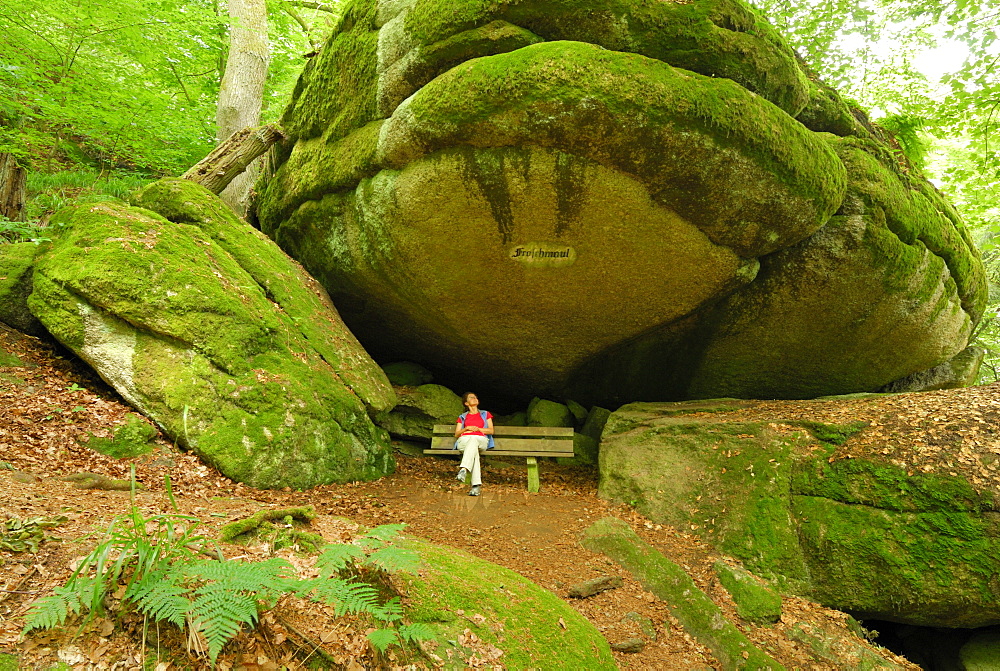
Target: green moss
337,92
281,280
729,482
928,568
573,96
697,613
754,601
886,486
917,215
168,313
8,662
719,38
519,617
279,528
129,440
16,263
834,434
8,360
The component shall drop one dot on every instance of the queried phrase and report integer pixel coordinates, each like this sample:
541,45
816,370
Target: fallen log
231,158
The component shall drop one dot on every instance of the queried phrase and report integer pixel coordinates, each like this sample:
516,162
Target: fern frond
393,559
386,532
219,614
346,597
383,638
266,577
390,611
52,610
418,631
161,596
336,556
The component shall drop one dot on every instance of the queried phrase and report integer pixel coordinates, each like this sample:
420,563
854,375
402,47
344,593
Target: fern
383,638
165,580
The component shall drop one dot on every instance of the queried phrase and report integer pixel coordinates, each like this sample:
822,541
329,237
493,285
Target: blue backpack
489,438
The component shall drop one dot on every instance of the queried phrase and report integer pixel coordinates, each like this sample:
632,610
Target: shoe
474,491
462,472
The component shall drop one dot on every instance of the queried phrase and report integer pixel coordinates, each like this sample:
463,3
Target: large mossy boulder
477,609
611,200
879,539
418,409
206,327
16,267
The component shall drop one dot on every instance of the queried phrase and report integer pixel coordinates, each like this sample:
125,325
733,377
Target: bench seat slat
513,444
526,431
497,452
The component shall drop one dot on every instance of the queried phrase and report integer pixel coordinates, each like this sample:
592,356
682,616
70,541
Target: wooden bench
529,442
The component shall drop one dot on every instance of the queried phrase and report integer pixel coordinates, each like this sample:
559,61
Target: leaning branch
232,157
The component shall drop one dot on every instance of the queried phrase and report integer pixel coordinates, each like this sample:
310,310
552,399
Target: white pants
470,446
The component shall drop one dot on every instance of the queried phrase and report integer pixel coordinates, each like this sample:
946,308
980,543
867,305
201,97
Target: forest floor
49,409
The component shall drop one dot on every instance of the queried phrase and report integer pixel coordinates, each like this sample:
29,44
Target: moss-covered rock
692,607
755,602
419,409
407,374
16,265
512,621
132,439
981,652
542,412
207,328
857,534
652,200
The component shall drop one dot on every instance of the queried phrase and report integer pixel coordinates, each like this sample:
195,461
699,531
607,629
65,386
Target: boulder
419,409
515,623
869,534
207,328
755,602
960,371
651,199
407,374
16,265
548,413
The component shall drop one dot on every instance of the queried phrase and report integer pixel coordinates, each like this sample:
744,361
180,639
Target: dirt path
46,411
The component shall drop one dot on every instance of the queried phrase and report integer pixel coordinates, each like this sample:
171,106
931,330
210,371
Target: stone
578,411
132,439
960,371
697,613
651,199
407,374
593,425
207,328
542,412
519,418
16,264
861,534
629,646
419,409
456,592
755,602
594,586
646,624
981,652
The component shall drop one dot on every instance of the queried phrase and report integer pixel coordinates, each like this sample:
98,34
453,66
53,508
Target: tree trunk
12,185
242,90
230,159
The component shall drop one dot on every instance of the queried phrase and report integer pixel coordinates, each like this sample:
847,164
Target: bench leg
533,480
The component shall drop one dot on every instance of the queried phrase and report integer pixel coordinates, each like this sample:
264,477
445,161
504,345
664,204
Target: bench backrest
513,438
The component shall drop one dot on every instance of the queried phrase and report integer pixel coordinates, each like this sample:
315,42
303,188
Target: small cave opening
939,648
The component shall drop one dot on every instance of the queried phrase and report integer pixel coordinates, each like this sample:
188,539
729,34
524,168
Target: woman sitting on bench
474,432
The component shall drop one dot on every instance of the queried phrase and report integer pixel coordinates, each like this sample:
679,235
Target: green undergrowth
159,564
531,626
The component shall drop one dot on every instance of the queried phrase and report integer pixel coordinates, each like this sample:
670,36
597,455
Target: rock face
641,199
879,539
206,327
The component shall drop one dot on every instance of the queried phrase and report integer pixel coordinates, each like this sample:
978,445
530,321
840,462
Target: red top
474,420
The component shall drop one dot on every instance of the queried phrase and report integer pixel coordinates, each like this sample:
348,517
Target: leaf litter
50,409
